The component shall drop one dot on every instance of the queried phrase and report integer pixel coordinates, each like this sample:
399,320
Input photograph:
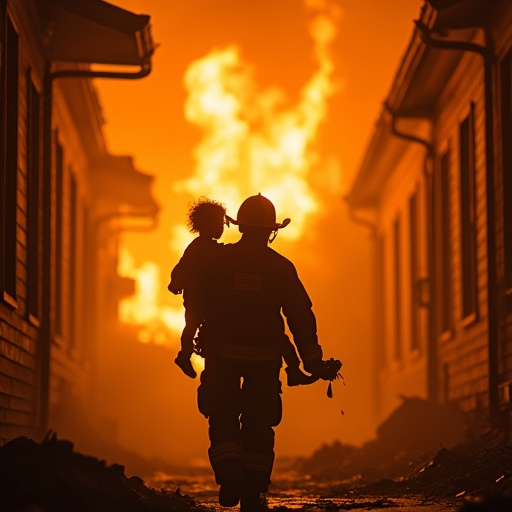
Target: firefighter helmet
259,212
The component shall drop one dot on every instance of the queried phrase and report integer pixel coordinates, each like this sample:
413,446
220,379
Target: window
86,298
33,185
414,272
468,215
443,245
59,168
397,273
9,163
380,313
506,163
72,263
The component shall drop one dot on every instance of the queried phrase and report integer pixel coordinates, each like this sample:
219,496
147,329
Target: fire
254,140
144,308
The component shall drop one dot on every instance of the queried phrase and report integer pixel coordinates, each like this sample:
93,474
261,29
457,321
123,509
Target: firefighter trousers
242,402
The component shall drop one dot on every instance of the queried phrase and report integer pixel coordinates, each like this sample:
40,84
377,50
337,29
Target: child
207,217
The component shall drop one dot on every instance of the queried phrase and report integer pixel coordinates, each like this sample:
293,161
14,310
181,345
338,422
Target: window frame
10,66
467,220
34,189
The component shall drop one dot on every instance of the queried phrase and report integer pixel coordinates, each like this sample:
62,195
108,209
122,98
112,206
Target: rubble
472,471
52,477
404,461
412,434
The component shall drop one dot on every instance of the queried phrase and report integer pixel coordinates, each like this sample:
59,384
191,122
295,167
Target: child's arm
182,273
178,277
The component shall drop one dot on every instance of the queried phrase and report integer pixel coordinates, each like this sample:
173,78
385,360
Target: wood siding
48,266
464,353
403,367
19,351
503,176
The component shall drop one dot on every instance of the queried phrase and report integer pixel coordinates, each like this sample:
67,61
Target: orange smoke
253,140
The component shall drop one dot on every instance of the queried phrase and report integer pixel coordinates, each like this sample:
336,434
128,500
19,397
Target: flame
161,324
254,140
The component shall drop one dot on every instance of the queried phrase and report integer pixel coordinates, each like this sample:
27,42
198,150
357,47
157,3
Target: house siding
503,44
47,316
466,350
406,372
462,353
19,357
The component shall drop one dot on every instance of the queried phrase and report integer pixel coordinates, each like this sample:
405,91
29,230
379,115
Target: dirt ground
52,477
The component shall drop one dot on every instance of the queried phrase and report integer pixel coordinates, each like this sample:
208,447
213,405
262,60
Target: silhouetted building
64,200
436,185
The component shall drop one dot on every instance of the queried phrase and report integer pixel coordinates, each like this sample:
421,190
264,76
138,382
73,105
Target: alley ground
289,491
52,477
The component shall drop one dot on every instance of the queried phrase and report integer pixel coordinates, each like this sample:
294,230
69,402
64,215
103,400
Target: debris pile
408,438
475,470
51,476
420,451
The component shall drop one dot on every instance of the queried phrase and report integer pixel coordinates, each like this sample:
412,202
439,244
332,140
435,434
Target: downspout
375,304
487,53
432,377
47,325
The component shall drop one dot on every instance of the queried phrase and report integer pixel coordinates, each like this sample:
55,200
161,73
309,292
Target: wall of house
19,304
462,348
76,141
70,368
457,363
401,354
503,179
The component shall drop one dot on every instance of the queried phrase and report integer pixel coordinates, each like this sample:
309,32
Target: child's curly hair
201,213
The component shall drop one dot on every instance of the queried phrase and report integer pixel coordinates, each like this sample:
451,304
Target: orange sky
145,118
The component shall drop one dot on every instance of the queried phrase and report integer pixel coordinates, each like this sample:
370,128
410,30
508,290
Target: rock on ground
52,477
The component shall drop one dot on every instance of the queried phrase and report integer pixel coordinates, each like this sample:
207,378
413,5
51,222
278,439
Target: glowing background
288,91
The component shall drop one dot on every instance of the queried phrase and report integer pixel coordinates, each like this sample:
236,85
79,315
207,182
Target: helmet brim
273,227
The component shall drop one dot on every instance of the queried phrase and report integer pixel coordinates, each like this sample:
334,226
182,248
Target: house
435,184
64,200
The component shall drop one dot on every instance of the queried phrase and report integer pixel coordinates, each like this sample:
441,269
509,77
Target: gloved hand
326,370
173,289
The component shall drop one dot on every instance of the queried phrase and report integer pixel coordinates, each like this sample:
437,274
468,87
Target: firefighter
250,288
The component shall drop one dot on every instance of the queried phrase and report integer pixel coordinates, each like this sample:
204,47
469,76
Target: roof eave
95,32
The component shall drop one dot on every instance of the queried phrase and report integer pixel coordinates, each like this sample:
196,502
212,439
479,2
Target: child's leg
187,346
187,339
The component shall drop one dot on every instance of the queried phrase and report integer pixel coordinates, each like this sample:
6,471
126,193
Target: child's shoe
185,364
296,377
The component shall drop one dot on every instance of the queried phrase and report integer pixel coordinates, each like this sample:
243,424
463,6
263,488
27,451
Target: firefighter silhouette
207,217
247,288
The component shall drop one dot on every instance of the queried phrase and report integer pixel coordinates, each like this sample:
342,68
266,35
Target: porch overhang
417,86
118,181
95,32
